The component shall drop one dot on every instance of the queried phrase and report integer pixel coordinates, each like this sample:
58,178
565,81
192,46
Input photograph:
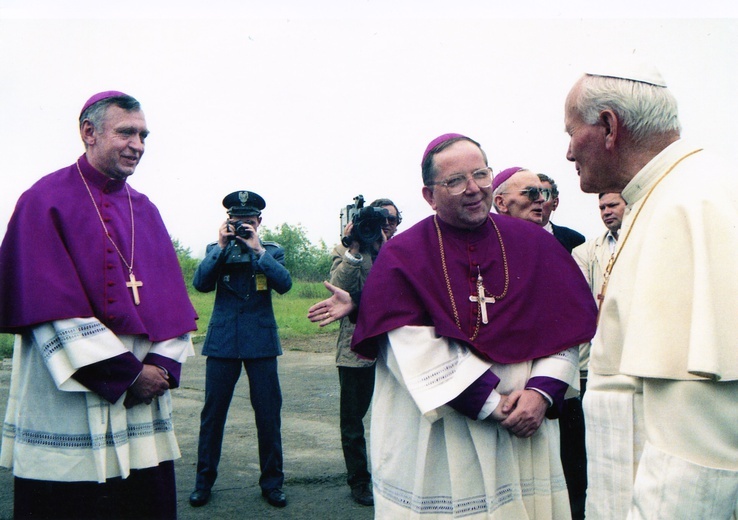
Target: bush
304,261
6,345
186,263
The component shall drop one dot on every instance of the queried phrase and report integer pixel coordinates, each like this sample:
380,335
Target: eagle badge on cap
243,196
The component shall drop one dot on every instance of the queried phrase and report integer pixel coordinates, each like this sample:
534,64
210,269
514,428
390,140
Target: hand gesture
332,309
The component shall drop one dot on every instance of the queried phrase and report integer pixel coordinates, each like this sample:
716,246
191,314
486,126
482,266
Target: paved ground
314,470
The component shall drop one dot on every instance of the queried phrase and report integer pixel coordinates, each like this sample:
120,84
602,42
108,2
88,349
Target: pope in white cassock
660,408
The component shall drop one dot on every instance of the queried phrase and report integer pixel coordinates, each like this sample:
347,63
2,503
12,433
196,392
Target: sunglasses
533,194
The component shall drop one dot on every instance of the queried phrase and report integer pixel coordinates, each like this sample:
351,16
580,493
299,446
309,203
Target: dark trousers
221,376
574,455
357,387
148,493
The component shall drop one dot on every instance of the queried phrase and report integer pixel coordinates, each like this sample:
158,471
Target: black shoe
362,495
199,497
275,497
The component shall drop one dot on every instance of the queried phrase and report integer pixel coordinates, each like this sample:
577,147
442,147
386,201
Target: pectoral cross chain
481,299
134,285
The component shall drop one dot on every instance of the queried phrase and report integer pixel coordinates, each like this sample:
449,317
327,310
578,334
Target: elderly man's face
117,147
514,201
587,149
469,209
612,209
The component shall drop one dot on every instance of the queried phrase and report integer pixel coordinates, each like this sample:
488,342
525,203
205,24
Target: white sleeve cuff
547,397
489,406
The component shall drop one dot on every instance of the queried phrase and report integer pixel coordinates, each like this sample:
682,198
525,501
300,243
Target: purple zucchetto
438,140
99,97
504,175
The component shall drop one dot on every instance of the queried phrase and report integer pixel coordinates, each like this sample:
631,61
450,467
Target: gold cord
621,243
105,228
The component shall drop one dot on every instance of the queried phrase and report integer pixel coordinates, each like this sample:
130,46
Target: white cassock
429,461
661,407
57,429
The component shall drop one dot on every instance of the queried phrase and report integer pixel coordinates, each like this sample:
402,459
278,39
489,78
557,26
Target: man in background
350,267
567,237
91,286
243,271
660,405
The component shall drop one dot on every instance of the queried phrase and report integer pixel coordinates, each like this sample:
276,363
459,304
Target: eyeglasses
456,184
534,193
392,220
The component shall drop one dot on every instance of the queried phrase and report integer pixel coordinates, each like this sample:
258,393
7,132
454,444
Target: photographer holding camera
363,235
243,271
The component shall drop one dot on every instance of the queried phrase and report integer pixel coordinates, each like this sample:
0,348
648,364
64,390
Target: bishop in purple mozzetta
91,286
475,320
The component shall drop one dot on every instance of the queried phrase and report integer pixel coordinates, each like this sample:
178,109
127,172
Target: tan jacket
350,276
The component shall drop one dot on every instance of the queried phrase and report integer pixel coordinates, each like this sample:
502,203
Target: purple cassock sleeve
173,368
555,388
112,377
470,401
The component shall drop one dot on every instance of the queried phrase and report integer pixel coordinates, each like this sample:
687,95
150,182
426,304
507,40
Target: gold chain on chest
621,243
132,284
480,301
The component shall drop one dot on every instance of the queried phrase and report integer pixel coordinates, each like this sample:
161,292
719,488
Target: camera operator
352,260
243,271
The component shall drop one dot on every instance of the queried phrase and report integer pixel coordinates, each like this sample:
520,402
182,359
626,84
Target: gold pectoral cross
481,299
134,285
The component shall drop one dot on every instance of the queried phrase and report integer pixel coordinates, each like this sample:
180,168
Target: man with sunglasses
350,267
518,193
475,346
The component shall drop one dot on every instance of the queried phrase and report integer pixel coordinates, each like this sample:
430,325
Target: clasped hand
152,382
521,412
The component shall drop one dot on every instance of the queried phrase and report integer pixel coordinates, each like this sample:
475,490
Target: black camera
367,222
239,228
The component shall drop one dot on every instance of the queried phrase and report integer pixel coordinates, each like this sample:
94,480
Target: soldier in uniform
243,270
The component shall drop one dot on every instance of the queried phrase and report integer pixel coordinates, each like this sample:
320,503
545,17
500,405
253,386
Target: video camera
367,222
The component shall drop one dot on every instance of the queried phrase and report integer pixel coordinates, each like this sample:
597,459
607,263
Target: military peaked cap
244,204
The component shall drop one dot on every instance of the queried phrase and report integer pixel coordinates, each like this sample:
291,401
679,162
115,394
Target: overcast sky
311,107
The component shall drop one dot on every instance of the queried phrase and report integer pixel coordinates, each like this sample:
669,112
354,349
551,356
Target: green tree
304,260
186,262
